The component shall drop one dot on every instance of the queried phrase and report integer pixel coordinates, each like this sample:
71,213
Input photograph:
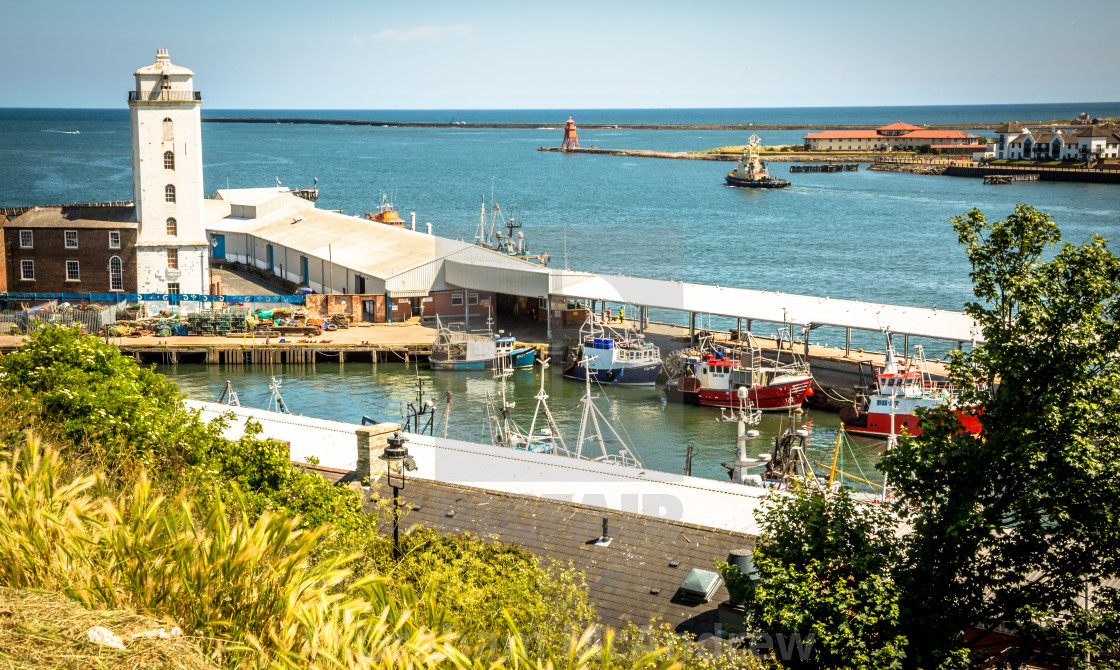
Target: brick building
70,249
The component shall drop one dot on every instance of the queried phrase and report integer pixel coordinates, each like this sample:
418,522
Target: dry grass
47,630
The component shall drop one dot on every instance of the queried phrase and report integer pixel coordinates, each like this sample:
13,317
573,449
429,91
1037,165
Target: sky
432,54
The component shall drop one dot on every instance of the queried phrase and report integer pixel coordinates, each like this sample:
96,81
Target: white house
1016,142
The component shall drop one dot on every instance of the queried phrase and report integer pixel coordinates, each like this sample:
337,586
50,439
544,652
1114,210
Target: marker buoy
809,393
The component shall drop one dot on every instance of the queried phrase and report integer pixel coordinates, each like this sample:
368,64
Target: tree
824,567
1019,525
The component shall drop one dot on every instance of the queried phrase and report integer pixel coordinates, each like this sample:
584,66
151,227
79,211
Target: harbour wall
597,126
958,168
783,157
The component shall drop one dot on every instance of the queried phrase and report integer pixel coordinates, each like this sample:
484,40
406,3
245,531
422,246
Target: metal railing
163,95
26,321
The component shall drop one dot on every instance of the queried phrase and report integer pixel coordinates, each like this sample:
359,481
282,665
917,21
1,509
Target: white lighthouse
172,251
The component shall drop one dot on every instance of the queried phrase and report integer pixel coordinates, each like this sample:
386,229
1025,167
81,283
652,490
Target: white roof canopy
767,306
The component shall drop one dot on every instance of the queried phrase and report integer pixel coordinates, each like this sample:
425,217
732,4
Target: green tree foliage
1019,525
824,567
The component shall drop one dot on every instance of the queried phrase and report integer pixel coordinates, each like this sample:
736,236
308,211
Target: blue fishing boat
455,349
613,356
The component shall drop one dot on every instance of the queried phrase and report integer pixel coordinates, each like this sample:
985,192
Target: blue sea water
863,235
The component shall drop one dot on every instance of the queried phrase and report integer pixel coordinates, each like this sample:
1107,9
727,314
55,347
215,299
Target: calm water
659,432
863,235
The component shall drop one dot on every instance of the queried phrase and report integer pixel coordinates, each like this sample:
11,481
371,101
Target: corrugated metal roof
703,502
372,249
767,305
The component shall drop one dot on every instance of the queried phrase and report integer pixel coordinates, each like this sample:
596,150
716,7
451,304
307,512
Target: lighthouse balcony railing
164,96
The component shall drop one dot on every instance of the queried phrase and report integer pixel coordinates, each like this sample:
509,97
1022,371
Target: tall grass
249,593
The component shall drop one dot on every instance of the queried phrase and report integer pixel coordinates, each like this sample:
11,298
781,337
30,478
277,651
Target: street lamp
397,453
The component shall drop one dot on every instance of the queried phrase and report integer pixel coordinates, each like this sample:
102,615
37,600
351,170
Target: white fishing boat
613,356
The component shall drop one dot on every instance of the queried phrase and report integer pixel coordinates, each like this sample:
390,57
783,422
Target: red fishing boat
713,377
899,391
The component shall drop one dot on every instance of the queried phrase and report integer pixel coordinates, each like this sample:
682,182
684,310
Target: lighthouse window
169,193
172,259
169,160
168,130
172,227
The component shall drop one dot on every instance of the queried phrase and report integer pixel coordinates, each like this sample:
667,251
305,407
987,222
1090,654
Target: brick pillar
372,441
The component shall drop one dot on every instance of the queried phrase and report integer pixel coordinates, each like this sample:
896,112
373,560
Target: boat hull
750,183
638,375
877,424
517,359
783,395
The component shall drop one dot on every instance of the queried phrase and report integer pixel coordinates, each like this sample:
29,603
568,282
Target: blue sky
570,55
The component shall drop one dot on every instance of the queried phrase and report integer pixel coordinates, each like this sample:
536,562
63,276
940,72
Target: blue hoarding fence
155,297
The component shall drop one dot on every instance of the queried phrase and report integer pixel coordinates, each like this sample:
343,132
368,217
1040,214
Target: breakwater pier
599,126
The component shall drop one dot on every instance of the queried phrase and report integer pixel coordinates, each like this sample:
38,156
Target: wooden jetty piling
1008,178
825,167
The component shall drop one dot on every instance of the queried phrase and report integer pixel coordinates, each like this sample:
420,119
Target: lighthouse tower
172,252
571,139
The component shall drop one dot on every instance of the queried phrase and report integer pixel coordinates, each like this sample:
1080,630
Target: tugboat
615,357
751,171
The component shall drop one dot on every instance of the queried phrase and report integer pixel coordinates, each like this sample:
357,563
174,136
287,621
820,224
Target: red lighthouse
571,139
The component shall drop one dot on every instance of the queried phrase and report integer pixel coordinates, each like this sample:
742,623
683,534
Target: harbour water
873,236
657,431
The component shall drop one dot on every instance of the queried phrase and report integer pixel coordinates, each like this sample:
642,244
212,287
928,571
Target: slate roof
1095,131
620,577
1007,128
75,217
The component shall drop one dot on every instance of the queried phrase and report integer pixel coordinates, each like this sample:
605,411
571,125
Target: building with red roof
898,135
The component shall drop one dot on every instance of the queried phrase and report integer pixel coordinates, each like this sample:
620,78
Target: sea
871,236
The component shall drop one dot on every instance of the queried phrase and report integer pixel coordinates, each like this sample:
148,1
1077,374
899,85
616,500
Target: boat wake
63,132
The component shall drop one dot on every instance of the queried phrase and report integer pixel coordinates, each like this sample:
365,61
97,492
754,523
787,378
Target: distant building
1014,142
70,249
896,136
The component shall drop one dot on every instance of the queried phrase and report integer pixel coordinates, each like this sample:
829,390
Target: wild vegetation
116,495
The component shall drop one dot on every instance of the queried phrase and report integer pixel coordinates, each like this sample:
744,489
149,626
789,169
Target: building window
173,293
169,193
172,227
472,298
456,299
72,271
26,239
116,274
114,239
172,259
169,160
71,239
168,130
27,270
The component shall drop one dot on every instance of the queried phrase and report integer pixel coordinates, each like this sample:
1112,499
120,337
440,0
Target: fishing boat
712,376
612,356
489,236
386,213
899,391
751,172
455,349
547,439
787,461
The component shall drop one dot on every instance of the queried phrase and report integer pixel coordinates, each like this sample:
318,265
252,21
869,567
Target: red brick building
70,249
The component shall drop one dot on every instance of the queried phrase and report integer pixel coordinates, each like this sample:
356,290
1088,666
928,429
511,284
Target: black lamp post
397,453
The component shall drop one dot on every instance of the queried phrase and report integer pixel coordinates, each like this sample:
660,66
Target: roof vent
605,539
297,219
701,585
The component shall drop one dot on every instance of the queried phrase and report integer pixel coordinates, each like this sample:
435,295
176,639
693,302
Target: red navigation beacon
571,139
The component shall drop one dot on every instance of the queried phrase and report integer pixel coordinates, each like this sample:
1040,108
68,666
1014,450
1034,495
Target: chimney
429,225
412,217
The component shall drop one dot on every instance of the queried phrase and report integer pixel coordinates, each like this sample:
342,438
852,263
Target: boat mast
542,397
591,416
